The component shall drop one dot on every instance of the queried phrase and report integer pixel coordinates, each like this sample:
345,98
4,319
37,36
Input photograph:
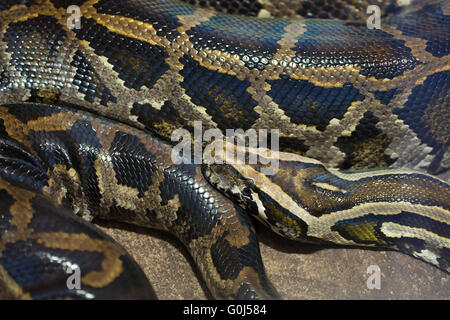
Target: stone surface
298,271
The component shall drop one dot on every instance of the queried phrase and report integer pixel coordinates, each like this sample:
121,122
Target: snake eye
246,195
250,183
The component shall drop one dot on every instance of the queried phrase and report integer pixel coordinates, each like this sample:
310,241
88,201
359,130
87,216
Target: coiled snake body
87,113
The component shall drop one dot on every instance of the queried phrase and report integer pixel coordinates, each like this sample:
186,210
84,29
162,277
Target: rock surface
298,271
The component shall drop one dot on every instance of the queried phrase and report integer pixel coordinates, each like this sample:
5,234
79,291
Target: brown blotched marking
138,63
135,172
145,203
225,264
322,201
111,264
65,187
365,147
94,89
48,53
164,119
222,62
17,129
320,197
417,46
168,87
43,234
222,242
271,116
10,289
163,90
236,235
21,212
167,29
437,117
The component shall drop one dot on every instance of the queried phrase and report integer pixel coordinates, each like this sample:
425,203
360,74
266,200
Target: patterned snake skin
87,114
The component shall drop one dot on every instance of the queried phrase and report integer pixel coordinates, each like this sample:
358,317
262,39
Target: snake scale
87,113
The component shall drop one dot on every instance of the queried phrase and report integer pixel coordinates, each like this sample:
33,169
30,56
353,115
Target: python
216,143
86,117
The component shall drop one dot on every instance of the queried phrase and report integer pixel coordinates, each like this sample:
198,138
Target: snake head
229,181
